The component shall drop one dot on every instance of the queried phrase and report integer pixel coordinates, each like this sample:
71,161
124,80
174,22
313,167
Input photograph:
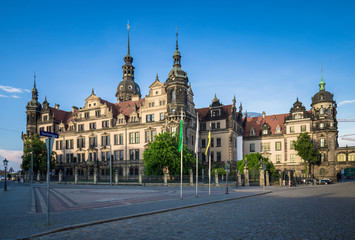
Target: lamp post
5,165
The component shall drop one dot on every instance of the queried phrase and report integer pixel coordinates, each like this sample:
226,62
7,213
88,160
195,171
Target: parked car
326,181
2,178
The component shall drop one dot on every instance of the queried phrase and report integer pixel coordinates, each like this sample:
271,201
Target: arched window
173,96
278,129
351,157
321,111
341,157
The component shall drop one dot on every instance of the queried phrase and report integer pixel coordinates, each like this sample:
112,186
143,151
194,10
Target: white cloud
346,102
15,96
3,95
14,158
10,89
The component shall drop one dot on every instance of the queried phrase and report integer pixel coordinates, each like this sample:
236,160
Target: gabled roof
271,120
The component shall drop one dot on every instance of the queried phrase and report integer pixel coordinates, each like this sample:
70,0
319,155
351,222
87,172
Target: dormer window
215,113
45,118
120,120
321,125
278,129
265,132
252,132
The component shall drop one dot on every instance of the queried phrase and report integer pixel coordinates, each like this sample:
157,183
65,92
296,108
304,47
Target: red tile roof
126,108
272,120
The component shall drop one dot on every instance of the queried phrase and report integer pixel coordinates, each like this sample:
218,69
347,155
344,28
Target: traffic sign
49,144
48,134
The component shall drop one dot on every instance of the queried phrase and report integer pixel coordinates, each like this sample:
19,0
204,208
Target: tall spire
177,46
128,50
34,80
177,56
322,83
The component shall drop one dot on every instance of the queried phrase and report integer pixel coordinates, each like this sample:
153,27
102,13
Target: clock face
121,87
130,87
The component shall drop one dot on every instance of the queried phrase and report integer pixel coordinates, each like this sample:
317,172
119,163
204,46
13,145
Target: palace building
90,135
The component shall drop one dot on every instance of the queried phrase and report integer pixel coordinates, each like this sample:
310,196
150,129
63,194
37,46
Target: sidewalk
17,206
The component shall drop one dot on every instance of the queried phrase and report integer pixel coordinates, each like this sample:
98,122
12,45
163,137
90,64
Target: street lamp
5,165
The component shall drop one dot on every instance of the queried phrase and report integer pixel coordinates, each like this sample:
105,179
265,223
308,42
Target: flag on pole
181,135
197,135
208,149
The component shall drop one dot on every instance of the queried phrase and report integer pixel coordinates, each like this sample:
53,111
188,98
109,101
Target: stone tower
324,122
33,110
128,89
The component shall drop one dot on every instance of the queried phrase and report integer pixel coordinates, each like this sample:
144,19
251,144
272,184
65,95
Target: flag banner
209,143
181,135
197,139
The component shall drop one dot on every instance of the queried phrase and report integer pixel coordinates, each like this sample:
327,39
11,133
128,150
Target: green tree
39,150
306,150
163,152
253,161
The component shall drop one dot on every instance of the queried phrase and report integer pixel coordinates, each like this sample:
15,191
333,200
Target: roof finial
157,77
177,47
34,80
92,91
322,83
128,27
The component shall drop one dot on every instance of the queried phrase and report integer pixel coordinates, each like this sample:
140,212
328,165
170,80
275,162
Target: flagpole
209,174
182,147
196,152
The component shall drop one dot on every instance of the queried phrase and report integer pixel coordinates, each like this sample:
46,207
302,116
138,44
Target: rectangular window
90,157
278,158
61,145
87,114
292,158
252,147
115,155
137,137
219,156
115,139
103,154
136,153
150,118
203,157
93,142
71,143
212,156
322,142
213,125
97,113
303,128
92,125
219,142
67,144
105,140
49,129
147,136
105,124
265,147
131,154
83,157
218,125
278,146
154,133
95,156
81,127
292,129
212,142
120,140
56,145
292,145
203,126
121,152
131,138
203,143
161,116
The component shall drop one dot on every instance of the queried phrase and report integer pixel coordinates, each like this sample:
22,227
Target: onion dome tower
128,89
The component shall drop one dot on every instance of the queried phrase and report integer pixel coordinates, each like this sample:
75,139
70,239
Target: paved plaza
309,212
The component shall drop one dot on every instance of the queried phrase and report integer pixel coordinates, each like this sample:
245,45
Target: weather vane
128,27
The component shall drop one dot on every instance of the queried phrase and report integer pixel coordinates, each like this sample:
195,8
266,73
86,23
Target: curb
141,215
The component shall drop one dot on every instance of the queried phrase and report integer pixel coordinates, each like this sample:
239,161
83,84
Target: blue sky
266,53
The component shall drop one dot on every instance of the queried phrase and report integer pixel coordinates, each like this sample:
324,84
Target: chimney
73,109
264,114
57,106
